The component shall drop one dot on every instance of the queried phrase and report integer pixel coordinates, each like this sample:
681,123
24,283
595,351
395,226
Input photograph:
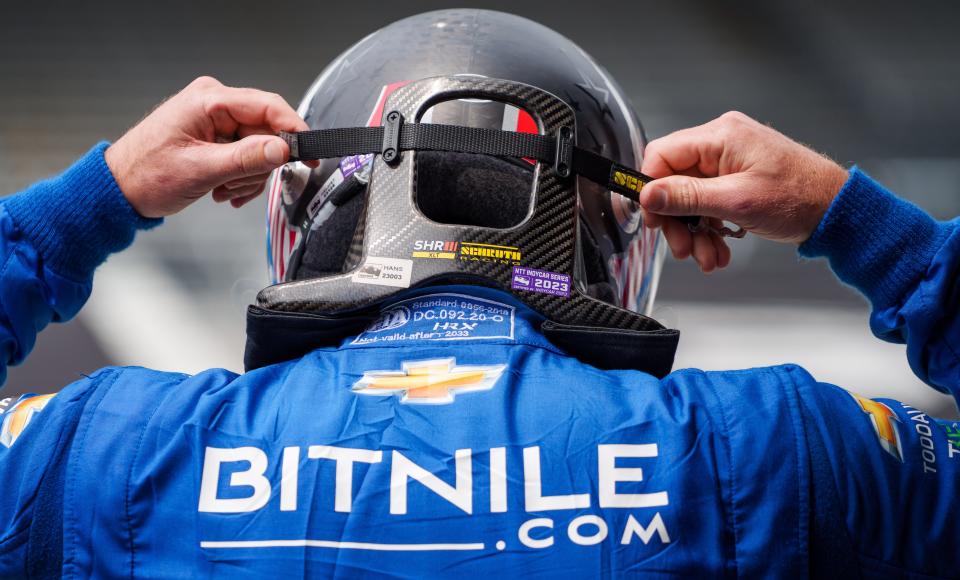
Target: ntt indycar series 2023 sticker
441,317
542,281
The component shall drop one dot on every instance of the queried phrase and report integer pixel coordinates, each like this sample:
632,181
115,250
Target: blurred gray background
875,84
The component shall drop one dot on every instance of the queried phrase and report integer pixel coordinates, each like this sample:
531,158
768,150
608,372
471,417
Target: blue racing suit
450,438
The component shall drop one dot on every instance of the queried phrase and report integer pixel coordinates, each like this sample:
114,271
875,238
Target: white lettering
253,484
524,533
289,479
498,480
609,474
573,530
252,477
633,528
345,458
922,427
534,499
917,415
460,495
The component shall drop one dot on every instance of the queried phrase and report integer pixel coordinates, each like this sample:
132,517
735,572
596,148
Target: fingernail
273,153
656,199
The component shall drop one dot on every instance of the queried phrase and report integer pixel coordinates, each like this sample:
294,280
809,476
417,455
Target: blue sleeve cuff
876,242
79,218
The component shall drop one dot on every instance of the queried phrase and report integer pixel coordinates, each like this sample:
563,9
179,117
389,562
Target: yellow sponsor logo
631,182
434,381
16,419
884,422
435,255
489,252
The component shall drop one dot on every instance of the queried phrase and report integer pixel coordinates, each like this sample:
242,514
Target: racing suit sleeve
886,476
52,237
906,263
885,486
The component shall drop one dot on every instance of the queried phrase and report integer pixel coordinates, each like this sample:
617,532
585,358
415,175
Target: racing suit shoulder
36,436
878,477
108,436
757,414
890,474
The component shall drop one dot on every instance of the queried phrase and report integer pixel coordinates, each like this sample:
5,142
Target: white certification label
384,272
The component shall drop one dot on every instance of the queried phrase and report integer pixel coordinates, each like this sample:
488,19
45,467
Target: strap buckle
563,152
390,150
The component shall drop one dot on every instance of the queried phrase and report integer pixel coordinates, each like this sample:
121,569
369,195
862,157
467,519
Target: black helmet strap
559,151
396,136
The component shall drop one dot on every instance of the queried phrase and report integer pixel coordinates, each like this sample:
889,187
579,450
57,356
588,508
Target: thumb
680,195
252,155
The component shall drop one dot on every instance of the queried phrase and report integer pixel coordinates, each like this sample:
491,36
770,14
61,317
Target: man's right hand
206,137
735,169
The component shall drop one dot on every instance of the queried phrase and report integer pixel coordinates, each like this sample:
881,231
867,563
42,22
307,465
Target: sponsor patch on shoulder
885,425
441,317
14,420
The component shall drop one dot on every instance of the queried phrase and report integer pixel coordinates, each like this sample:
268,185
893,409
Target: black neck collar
274,336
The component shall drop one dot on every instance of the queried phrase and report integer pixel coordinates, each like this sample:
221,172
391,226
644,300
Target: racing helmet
465,146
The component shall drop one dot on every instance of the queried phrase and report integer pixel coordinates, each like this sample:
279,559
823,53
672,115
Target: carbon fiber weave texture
392,224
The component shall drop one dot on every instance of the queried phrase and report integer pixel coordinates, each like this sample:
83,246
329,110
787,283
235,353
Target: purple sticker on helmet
351,163
542,281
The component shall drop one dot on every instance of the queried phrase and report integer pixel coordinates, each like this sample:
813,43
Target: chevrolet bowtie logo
429,381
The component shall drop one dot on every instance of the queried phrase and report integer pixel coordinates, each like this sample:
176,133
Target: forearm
53,235
906,263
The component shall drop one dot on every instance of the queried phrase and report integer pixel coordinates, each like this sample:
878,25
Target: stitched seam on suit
799,441
728,448
127,486
65,439
76,451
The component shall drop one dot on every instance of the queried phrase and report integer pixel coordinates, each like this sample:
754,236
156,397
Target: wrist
116,158
77,219
829,180
876,242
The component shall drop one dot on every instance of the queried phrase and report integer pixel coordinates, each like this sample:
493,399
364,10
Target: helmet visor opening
475,190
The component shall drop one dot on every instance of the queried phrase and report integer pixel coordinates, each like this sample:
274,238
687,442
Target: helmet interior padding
472,190
325,251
